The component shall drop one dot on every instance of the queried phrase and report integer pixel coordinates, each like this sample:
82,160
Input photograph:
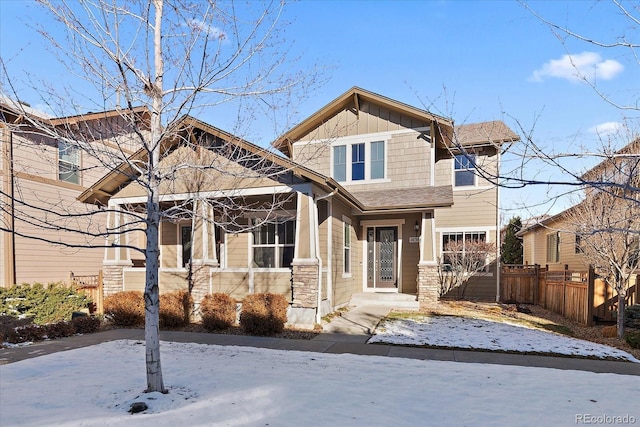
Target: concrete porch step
385,299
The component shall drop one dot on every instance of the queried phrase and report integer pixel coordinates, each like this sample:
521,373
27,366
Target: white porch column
116,258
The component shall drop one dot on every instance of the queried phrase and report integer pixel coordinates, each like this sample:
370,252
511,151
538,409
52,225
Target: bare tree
461,260
153,62
607,228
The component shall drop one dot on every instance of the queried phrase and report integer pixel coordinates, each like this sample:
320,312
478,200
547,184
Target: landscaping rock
138,407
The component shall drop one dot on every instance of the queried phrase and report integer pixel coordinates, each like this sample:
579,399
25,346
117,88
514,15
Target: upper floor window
553,247
465,170
68,162
340,163
377,160
357,162
367,161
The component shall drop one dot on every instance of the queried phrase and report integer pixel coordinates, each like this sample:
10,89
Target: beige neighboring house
551,240
42,175
369,192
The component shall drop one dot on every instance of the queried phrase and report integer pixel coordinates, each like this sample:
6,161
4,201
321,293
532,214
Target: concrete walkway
347,335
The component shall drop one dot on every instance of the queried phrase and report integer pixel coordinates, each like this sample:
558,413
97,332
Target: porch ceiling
406,198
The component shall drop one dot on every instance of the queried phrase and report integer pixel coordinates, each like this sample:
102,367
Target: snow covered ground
461,332
236,386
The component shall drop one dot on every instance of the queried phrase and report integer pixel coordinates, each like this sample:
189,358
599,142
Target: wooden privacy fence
91,285
568,293
519,283
577,295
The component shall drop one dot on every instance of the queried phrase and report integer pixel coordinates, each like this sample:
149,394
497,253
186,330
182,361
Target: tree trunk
621,306
152,290
152,306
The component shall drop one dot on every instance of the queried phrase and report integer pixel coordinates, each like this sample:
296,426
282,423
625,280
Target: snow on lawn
236,386
461,332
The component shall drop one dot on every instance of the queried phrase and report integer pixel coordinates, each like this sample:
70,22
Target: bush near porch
43,304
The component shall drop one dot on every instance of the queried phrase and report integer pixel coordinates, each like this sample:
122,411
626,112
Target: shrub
264,314
633,338
59,330
125,308
218,311
9,323
86,324
26,334
44,304
175,309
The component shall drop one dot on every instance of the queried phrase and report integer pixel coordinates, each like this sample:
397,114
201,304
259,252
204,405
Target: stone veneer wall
427,285
305,284
112,278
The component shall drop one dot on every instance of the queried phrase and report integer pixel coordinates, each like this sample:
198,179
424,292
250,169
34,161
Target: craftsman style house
41,178
368,193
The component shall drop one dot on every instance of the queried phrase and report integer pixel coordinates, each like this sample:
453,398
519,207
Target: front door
382,258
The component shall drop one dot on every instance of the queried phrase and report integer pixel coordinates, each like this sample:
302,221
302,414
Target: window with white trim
346,246
357,162
457,243
360,161
274,243
68,162
340,163
377,160
553,247
186,242
465,170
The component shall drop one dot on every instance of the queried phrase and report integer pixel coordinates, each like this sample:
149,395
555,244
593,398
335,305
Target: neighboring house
368,195
552,240
40,176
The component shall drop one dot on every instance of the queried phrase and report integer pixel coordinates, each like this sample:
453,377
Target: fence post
536,284
564,289
100,296
591,278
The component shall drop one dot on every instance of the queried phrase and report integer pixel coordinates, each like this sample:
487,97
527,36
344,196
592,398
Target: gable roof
493,132
116,179
405,199
354,96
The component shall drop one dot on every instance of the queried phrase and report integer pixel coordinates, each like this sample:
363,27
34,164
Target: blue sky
469,60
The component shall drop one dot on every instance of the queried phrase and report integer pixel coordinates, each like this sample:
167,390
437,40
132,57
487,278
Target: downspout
9,191
316,224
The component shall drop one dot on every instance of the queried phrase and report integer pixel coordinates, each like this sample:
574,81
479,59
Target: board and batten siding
371,118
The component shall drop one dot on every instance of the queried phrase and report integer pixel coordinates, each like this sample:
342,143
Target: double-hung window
465,170
68,162
273,244
357,162
340,163
377,160
360,161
